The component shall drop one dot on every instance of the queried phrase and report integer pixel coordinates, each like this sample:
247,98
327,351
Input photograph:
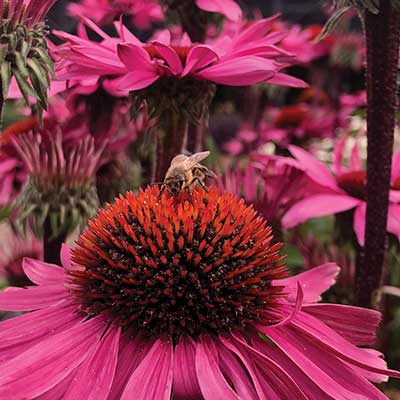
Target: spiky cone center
354,183
182,265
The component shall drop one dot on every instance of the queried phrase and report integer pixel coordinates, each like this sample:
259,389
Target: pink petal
135,57
329,341
226,7
332,375
44,365
308,387
132,351
65,256
355,324
237,375
43,273
338,154
359,222
396,166
314,168
199,57
249,368
152,379
135,80
239,72
31,297
170,56
314,282
282,79
212,382
276,383
355,157
96,373
185,384
319,205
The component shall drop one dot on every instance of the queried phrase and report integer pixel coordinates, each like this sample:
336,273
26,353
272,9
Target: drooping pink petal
152,379
58,391
282,79
239,72
53,358
359,222
42,273
308,387
318,206
96,373
185,384
212,382
332,375
314,168
135,81
31,298
226,7
237,375
357,325
276,382
330,341
132,351
355,157
135,57
19,333
396,166
65,256
314,282
199,57
338,154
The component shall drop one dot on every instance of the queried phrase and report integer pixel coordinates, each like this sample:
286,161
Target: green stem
382,33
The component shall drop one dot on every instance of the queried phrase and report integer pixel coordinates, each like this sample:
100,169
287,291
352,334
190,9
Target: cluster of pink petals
267,182
329,198
142,12
251,57
55,353
27,11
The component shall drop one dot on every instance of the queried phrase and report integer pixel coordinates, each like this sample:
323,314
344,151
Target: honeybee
186,172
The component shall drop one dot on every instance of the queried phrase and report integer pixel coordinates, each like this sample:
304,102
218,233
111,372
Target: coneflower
186,298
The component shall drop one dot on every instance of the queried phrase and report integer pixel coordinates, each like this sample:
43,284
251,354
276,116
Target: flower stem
52,245
171,137
382,33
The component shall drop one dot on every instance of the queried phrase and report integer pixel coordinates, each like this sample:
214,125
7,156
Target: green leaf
332,22
4,213
40,74
5,73
21,65
24,87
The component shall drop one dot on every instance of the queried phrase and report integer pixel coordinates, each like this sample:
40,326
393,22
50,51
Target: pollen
194,264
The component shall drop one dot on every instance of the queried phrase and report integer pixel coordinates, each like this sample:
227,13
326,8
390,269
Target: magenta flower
142,12
341,189
252,56
166,297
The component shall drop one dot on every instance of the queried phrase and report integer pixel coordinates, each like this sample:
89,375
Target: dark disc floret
178,265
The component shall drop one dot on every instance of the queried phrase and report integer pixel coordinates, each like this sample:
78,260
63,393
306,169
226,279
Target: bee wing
195,159
178,159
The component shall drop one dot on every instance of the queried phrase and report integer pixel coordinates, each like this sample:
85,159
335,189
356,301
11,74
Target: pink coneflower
61,181
252,56
13,249
143,13
24,49
185,297
341,189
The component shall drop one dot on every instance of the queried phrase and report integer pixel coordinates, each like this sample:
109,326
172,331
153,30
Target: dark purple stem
52,245
171,136
382,37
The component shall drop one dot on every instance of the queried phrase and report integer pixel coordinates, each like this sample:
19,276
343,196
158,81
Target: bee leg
200,182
